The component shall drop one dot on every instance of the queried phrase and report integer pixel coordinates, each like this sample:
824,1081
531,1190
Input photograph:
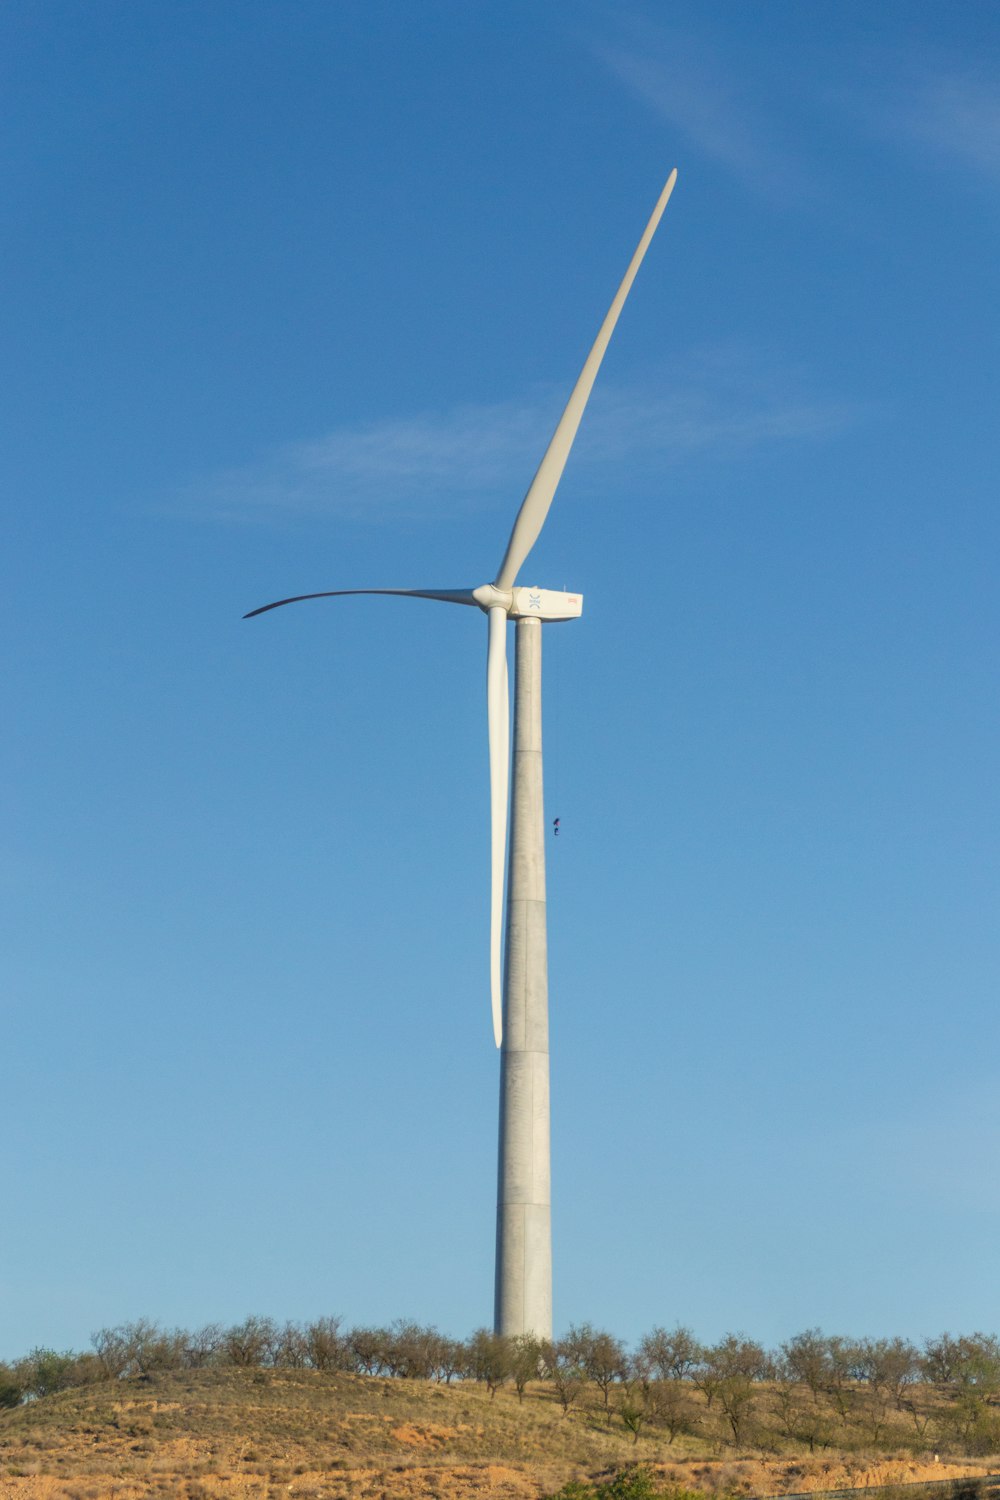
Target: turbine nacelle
520,603
545,604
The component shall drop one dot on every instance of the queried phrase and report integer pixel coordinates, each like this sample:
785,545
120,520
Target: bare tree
451,1359
113,1352
873,1395
158,1348
889,1366
326,1347
600,1355
289,1349
841,1376
251,1342
663,1362
737,1364
526,1361
633,1409
367,1347
802,1420
412,1350
138,1348
807,1357
705,1377
490,1359
203,1347
567,1375
921,1419
669,1405
670,1355
642,1399
979,1366
967,1371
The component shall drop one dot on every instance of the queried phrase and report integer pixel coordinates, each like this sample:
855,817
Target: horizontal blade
535,506
449,596
498,715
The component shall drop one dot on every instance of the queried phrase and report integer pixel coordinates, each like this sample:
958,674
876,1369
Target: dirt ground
491,1481
227,1435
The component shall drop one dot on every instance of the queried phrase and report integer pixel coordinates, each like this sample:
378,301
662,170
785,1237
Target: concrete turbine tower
523,1303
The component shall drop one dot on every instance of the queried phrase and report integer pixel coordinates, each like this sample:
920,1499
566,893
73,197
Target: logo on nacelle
547,604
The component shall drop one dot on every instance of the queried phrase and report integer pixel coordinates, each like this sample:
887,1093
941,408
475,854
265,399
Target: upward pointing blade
498,713
535,506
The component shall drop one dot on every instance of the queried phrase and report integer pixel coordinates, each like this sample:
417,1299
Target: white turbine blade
449,596
535,506
498,713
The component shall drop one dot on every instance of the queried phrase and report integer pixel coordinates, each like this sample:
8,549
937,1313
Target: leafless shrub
251,1342
490,1359
326,1347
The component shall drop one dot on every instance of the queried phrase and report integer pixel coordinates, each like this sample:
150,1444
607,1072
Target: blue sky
293,297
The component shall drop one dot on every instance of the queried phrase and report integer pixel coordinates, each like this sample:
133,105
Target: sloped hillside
226,1434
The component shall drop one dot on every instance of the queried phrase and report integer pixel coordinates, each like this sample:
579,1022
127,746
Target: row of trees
815,1387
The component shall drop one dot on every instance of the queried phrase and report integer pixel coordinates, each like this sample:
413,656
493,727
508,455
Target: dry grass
228,1434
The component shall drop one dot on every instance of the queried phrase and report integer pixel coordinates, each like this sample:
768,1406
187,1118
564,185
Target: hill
257,1434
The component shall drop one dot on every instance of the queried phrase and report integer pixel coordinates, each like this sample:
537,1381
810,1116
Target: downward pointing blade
535,506
498,713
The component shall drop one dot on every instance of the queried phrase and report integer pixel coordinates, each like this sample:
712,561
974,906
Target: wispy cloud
706,110
443,462
761,123
428,463
955,113
721,113
684,423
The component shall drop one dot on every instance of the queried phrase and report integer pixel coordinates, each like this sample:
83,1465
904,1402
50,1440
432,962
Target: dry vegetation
228,1430
209,1434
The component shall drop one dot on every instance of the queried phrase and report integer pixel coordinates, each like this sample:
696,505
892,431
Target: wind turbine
523,1302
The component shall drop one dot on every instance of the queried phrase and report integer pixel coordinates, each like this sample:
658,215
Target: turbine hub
488,597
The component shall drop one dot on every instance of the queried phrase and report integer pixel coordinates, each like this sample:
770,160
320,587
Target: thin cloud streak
693,86
447,462
949,108
429,464
956,114
705,112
